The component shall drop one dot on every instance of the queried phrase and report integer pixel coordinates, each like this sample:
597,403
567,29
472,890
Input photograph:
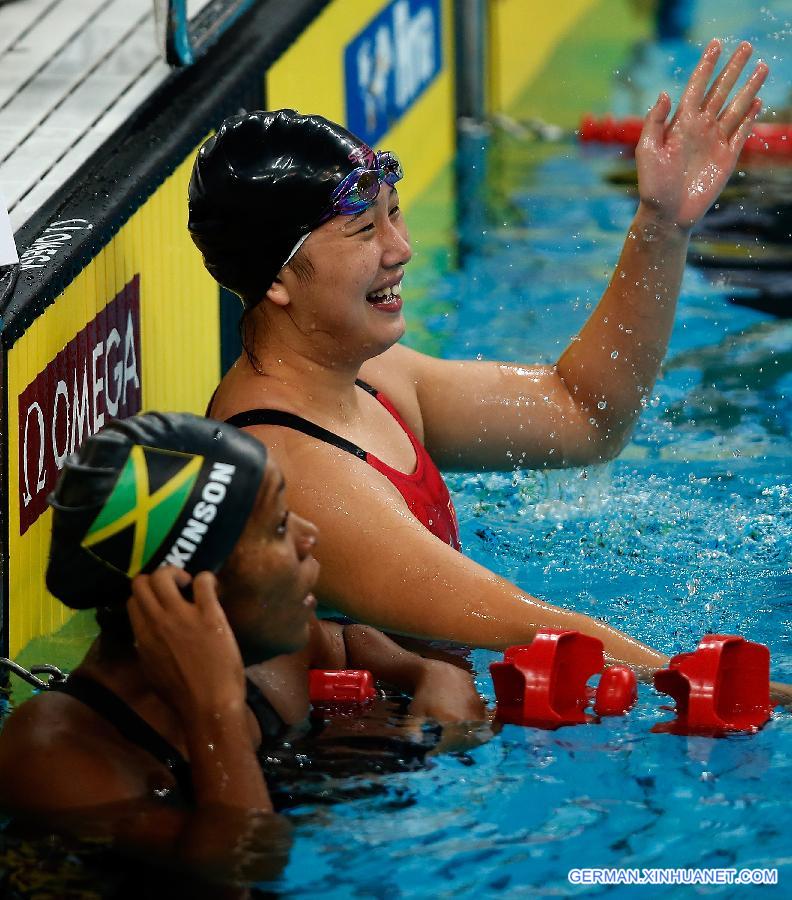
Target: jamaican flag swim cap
258,186
147,491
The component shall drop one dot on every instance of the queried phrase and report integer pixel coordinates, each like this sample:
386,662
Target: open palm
684,164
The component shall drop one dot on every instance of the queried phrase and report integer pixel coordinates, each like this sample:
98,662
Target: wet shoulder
238,390
393,373
36,739
55,752
50,721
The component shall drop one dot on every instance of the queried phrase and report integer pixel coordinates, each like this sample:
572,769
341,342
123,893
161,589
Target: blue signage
390,64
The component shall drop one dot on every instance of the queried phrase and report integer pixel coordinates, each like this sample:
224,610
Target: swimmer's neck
125,677
118,669
303,378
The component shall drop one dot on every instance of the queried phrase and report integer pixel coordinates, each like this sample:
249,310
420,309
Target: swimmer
159,714
301,219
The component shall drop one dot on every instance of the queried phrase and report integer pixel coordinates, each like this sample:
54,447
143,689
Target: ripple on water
664,551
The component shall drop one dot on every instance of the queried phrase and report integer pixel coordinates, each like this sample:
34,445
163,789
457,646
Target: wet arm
368,648
781,694
189,652
390,572
487,415
365,647
582,409
223,765
440,690
682,167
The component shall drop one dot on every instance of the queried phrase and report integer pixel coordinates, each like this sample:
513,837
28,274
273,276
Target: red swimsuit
424,491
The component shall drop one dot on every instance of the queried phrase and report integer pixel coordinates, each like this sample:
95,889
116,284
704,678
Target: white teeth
386,293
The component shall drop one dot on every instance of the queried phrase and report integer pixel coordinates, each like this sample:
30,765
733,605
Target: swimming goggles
361,187
358,190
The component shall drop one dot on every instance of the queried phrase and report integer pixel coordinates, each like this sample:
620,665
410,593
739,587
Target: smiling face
265,585
352,301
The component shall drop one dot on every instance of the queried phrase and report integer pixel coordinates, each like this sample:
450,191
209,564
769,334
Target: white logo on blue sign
390,64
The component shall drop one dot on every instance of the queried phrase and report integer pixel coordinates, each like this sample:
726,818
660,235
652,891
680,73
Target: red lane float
543,684
616,692
340,686
608,130
767,137
724,685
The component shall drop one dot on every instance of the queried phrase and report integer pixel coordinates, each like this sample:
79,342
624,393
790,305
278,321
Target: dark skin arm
60,781
62,764
51,763
189,652
440,690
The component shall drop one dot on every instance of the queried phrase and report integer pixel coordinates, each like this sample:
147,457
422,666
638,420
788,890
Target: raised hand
187,650
192,660
684,164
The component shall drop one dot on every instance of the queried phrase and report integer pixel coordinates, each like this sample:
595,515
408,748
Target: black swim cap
258,186
150,490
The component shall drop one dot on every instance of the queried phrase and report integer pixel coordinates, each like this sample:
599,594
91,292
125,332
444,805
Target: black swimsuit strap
366,387
270,723
211,401
298,423
132,726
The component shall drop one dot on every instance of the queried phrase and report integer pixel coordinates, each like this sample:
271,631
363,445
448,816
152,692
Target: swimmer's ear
278,293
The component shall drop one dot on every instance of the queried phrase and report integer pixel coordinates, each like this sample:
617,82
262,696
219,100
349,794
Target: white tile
16,18
48,37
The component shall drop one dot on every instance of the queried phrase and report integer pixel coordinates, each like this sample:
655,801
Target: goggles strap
296,247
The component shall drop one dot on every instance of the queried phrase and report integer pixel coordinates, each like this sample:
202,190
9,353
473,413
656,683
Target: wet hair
146,491
258,186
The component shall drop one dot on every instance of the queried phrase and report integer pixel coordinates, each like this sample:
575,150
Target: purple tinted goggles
359,190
